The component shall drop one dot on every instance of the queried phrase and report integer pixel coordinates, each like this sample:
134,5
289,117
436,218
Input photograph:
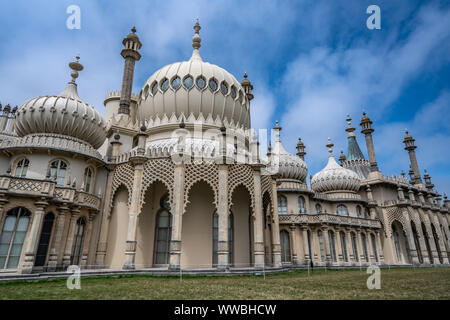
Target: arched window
416,242
397,246
163,232
343,246
358,212
285,246
44,240
427,243
332,246
58,169
318,208
88,174
342,210
78,239
13,235
364,247
282,205
321,246
367,213
436,241
301,205
355,247
374,246
21,168
216,238
308,233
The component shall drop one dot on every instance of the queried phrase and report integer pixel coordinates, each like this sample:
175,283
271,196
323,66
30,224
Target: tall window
318,208
282,205
285,246
87,179
358,212
355,247
374,246
343,246
163,232
332,246
58,169
342,210
364,247
367,213
44,240
309,244
216,238
301,205
21,168
13,236
230,238
321,246
78,238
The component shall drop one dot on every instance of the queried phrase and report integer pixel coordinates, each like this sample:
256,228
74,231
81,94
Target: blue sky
311,64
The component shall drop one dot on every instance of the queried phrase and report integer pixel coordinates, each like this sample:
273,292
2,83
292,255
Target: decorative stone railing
324,218
88,200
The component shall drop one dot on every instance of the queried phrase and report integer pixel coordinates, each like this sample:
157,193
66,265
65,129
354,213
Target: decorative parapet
51,141
331,219
88,200
116,95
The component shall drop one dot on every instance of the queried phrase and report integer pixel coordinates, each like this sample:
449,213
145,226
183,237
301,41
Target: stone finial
196,40
342,157
75,66
248,87
182,124
330,146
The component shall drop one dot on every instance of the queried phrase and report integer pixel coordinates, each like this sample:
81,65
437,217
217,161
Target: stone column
360,249
130,248
3,201
423,246
327,248
87,241
223,215
106,218
307,259
177,217
57,238
348,240
276,247
315,247
32,238
258,225
410,238
70,237
294,246
380,249
432,242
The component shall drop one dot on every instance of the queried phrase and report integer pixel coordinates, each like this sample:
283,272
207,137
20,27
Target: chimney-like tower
409,146
301,149
367,130
131,54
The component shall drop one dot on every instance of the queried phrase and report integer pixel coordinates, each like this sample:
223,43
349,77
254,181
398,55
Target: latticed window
355,247
213,85
301,205
163,232
318,208
343,246
285,246
233,92
332,246
78,240
87,179
13,235
200,82
364,247
154,88
374,246
58,169
164,84
342,210
21,168
321,245
282,205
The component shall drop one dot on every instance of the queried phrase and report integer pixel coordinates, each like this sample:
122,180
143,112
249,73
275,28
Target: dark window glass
154,88
44,240
165,84
224,87
213,85
176,83
201,83
188,82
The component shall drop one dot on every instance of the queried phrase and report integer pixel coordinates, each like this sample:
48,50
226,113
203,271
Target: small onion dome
64,114
334,177
288,166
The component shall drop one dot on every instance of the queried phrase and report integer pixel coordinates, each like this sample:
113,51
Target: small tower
410,147
427,179
300,149
342,157
131,54
248,87
367,130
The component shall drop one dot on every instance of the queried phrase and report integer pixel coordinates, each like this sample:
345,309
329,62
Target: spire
196,40
301,149
366,125
353,150
410,147
71,89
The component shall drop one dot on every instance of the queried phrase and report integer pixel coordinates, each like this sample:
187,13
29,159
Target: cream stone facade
172,178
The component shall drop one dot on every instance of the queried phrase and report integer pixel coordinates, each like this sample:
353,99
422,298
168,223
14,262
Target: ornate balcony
324,218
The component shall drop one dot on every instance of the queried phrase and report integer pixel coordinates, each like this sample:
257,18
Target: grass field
404,283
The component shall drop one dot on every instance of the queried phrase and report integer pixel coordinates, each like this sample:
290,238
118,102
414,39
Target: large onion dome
334,177
64,114
195,88
285,164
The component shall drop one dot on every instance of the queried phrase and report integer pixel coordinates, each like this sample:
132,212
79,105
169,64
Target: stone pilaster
348,240
75,214
326,242
432,243
294,245
3,201
87,241
177,217
56,246
362,258
380,249
258,225
276,247
223,215
32,238
410,238
307,257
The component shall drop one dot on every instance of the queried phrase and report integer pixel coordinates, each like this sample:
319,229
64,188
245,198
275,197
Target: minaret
367,130
409,146
301,149
131,54
248,87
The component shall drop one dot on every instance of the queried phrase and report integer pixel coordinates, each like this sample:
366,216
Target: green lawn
405,283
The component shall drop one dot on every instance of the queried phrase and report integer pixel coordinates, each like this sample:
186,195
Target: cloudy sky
311,64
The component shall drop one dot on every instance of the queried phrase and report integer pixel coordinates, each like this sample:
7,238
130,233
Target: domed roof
334,177
195,87
64,114
287,165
